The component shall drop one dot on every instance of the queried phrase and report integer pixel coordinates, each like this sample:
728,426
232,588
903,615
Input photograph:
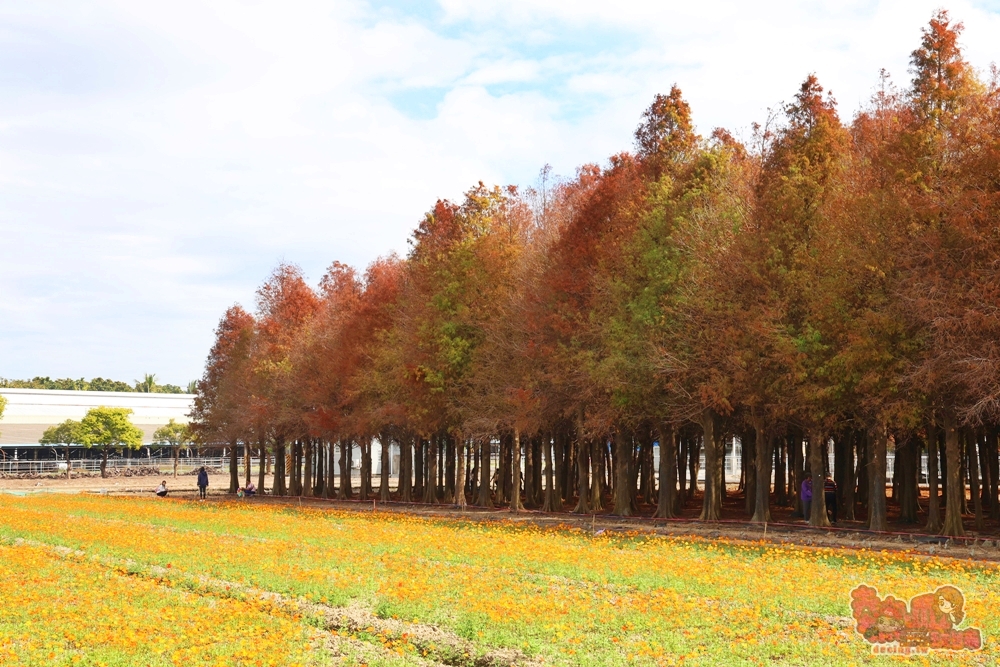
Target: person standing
830,495
806,494
202,483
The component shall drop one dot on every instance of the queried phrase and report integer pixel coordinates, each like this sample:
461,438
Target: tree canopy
109,429
827,280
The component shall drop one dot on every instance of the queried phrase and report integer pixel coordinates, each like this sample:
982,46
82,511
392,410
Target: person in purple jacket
806,495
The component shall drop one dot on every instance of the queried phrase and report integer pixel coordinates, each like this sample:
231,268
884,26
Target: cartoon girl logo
929,621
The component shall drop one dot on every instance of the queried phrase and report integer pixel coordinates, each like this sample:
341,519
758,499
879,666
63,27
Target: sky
159,159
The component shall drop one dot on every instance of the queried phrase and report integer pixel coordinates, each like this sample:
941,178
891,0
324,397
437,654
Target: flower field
125,581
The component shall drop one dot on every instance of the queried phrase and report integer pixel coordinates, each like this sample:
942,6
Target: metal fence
164,464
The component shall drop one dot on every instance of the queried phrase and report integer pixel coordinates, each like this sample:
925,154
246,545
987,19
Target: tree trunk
943,466
320,452
667,496
642,470
964,476
234,468
897,475
297,461
842,462
984,471
798,472
460,471
624,481
450,469
780,481
933,501
596,457
694,460
994,465
530,498
308,484
104,462
331,468
748,468
539,461
484,473
764,455
582,474
848,494
405,484
973,468
385,465
863,442
263,467
601,473
345,491
817,470
471,473
551,498
367,491
246,463
280,489
430,488
515,473
560,461
418,467
876,492
650,466
908,458
711,508
954,489
507,461
681,466
720,459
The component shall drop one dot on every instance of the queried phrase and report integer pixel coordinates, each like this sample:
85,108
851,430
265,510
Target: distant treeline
147,385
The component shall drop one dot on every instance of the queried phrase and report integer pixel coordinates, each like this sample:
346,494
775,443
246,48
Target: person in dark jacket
830,495
202,483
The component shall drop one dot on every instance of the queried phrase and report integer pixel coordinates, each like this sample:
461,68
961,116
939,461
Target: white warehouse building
30,411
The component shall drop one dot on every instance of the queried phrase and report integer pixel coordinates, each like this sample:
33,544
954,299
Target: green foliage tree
109,429
66,434
175,436
67,384
102,384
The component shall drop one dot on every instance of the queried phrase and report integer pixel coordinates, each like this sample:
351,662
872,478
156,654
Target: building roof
30,411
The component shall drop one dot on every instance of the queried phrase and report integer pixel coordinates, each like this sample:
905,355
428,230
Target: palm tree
147,384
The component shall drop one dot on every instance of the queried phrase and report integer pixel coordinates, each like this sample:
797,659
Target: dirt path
182,484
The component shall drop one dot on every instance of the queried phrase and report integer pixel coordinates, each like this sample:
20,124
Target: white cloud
157,159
